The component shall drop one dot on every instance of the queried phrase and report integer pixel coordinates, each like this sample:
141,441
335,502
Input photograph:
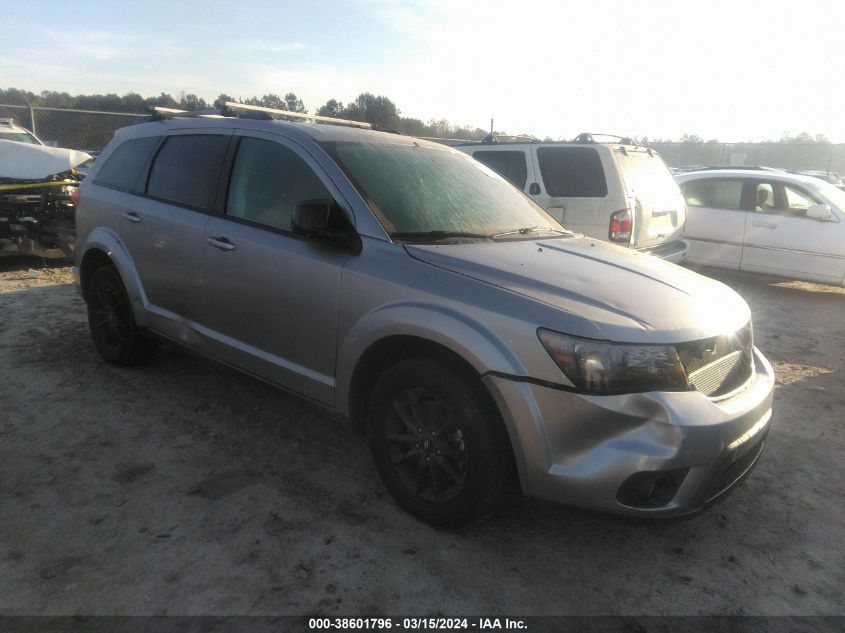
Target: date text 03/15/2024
416,624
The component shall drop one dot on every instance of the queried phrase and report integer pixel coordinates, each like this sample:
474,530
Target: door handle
221,242
130,216
765,225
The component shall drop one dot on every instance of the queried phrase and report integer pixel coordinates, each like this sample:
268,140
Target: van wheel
438,444
111,321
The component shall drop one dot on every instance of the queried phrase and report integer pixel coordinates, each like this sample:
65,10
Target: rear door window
509,165
714,193
122,169
268,181
572,172
187,169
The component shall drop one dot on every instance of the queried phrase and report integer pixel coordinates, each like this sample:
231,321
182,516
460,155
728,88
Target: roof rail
447,141
509,138
299,115
244,111
589,137
741,167
160,113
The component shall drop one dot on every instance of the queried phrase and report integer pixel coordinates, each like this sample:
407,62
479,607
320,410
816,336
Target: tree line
367,107
376,109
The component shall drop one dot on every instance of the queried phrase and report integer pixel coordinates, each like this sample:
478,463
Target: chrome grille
720,364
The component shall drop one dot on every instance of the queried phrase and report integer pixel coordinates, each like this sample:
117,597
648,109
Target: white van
619,192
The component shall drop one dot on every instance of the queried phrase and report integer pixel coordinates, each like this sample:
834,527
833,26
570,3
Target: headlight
600,367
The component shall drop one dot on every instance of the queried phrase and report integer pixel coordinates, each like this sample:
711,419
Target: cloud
264,46
99,45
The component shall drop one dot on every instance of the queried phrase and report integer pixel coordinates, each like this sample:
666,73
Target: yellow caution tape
38,185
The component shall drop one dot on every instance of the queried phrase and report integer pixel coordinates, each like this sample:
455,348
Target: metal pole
491,125
31,116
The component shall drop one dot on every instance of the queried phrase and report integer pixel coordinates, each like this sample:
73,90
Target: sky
733,71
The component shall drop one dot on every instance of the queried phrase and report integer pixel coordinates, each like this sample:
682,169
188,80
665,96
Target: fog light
651,489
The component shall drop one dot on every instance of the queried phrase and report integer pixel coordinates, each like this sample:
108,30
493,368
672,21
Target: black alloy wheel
438,441
111,321
426,445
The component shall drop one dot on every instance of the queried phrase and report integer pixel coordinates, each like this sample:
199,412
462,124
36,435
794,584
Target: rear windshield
648,178
413,188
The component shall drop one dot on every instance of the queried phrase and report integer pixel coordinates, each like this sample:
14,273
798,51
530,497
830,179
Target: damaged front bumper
37,218
656,453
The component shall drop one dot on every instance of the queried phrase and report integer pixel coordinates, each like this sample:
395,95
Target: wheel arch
384,353
395,329
104,248
388,350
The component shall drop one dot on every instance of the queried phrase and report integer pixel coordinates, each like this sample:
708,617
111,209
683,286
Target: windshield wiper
525,230
414,236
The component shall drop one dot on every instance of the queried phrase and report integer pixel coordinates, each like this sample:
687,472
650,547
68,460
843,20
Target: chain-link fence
91,131
76,129
823,157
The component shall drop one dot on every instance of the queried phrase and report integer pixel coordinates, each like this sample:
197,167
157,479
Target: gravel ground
184,489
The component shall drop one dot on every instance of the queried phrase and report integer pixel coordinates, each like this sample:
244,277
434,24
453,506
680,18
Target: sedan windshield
20,137
432,193
832,195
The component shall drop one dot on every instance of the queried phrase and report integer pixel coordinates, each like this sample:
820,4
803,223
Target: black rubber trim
567,388
533,381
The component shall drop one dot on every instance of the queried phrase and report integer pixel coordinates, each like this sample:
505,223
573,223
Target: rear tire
438,443
111,321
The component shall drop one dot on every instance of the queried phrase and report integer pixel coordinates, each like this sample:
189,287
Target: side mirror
323,221
311,219
819,212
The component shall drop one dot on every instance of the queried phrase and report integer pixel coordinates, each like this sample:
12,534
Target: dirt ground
184,489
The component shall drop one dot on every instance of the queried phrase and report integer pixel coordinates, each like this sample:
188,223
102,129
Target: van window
123,167
714,193
187,168
268,181
648,179
572,172
510,165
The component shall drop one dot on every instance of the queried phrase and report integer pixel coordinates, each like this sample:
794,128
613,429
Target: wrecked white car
37,209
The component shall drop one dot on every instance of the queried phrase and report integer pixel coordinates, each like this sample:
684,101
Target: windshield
20,137
414,189
832,195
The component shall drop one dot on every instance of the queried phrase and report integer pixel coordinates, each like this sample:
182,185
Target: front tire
111,321
438,443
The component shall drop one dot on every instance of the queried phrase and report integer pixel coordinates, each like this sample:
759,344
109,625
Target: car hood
616,293
26,161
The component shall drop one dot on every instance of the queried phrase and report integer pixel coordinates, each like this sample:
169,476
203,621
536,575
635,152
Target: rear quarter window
122,168
186,169
509,165
572,172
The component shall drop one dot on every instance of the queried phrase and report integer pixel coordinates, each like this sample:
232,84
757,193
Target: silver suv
477,342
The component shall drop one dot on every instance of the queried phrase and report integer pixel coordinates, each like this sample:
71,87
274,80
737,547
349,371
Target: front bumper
581,450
